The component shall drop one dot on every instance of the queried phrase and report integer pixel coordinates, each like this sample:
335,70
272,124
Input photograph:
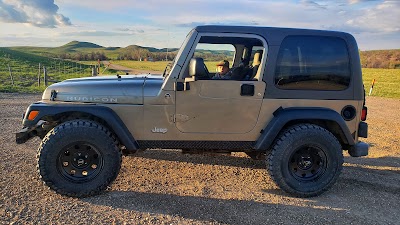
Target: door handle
247,90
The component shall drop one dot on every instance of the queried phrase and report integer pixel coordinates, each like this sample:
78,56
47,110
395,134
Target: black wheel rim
308,163
80,162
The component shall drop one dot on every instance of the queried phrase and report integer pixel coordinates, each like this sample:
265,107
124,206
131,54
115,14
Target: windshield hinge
173,118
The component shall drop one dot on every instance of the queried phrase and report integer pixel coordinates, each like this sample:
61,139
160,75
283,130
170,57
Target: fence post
12,79
372,87
44,76
38,77
94,71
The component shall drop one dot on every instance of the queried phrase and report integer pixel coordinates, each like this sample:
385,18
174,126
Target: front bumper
27,133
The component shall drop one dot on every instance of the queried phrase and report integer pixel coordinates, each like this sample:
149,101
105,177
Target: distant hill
74,45
389,59
77,50
150,49
111,48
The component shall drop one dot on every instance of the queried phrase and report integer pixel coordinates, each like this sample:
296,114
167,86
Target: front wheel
79,158
306,160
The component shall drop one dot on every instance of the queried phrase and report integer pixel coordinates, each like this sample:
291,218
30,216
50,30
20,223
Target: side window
312,63
214,53
228,57
256,54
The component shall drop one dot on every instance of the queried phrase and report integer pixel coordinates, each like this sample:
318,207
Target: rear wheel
306,160
79,158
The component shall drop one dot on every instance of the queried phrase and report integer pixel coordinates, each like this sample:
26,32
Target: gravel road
167,187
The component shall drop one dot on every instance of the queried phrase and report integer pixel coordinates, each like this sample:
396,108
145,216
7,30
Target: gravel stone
167,187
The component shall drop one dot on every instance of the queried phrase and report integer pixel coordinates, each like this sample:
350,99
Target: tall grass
25,70
387,82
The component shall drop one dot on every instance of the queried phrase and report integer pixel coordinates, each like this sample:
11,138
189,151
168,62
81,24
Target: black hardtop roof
274,37
254,29
267,31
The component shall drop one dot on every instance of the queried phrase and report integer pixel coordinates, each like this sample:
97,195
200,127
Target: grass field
158,66
387,82
25,71
142,65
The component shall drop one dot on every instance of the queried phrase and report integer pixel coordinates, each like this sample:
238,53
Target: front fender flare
107,114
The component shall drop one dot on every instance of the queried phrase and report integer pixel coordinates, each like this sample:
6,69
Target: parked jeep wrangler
295,97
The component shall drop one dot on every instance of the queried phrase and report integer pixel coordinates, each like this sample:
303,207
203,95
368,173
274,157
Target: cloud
312,4
233,23
382,18
159,23
130,30
359,1
39,13
94,33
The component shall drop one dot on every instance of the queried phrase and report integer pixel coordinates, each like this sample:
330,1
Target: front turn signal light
32,114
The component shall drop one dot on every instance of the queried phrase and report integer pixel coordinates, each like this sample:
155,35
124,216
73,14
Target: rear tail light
364,113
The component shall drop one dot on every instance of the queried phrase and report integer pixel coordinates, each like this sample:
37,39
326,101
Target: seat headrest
257,58
197,68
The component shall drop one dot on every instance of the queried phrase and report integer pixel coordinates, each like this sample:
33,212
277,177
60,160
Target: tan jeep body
180,110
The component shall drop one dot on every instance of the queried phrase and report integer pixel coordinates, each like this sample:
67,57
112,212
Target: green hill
77,50
77,46
150,49
72,50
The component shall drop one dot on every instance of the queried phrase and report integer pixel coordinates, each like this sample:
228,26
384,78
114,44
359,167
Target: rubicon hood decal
110,89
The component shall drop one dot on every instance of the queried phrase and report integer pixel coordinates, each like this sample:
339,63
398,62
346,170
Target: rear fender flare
282,117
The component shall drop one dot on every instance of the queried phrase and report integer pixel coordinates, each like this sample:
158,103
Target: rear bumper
359,149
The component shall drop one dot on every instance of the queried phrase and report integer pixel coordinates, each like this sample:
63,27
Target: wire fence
16,73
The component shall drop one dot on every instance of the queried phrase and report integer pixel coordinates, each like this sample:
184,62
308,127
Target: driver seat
198,69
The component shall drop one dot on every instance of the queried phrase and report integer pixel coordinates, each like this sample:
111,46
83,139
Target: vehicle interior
244,55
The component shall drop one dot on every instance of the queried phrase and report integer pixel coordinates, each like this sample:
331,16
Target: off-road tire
79,158
306,160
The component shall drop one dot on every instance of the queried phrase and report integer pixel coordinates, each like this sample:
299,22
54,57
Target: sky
158,23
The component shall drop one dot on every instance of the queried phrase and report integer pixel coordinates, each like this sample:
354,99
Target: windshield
168,68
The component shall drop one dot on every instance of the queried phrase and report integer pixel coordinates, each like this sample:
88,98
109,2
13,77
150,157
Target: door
219,106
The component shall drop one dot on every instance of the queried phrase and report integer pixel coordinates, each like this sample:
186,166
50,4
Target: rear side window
313,63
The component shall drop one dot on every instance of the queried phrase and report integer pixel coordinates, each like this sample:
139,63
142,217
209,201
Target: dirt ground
167,187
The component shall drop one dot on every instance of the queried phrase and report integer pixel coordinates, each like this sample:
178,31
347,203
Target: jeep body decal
91,99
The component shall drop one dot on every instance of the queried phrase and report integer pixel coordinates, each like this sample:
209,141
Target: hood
128,89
